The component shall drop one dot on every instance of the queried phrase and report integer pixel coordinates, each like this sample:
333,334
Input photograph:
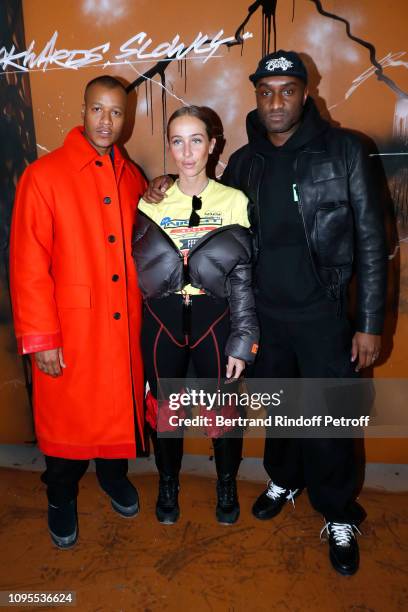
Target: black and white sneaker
343,547
272,500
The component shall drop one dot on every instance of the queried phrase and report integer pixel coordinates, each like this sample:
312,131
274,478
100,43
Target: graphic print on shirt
184,236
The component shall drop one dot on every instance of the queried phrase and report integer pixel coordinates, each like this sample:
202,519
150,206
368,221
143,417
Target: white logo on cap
281,63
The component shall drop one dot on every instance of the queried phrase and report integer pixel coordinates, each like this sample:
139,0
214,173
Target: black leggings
169,340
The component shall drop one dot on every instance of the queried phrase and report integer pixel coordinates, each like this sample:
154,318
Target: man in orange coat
77,307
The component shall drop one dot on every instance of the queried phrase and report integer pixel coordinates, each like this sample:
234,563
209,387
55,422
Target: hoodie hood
311,126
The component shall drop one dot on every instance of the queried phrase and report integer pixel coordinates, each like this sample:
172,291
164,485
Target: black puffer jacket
343,223
219,263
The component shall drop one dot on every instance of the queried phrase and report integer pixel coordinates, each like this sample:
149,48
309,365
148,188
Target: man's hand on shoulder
50,362
157,188
365,349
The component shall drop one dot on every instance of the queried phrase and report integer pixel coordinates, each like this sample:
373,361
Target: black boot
227,509
227,454
113,480
124,496
168,454
63,523
167,507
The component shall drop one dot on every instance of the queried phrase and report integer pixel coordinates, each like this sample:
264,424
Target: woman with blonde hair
193,256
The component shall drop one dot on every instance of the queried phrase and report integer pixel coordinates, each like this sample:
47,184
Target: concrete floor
138,564
381,476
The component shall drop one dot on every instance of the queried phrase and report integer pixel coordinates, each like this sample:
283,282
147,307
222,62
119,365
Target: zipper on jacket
258,188
256,202
334,288
187,305
300,208
337,291
186,275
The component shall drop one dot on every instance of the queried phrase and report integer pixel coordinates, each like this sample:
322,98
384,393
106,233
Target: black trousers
170,339
62,476
318,348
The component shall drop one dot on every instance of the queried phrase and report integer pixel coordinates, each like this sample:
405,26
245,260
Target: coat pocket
333,236
328,169
330,185
73,296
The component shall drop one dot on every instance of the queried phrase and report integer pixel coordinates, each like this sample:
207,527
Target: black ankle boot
167,507
227,454
227,509
168,453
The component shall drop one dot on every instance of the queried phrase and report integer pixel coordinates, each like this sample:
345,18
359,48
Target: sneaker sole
168,519
227,522
267,517
225,519
340,570
64,542
125,511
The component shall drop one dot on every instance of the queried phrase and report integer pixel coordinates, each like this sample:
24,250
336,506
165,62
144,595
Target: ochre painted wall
342,81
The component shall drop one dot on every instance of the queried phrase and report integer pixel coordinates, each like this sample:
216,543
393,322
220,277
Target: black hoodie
287,287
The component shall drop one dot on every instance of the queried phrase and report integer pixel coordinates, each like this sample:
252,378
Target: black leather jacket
341,215
220,263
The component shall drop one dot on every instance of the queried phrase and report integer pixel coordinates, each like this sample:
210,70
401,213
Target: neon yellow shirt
221,206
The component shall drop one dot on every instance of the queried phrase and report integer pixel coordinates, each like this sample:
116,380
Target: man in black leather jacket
316,218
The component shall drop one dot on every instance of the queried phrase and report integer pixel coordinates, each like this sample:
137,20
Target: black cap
280,63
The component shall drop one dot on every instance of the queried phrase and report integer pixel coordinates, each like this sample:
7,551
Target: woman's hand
235,367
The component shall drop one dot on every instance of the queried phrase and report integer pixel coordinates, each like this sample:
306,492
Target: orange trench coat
74,285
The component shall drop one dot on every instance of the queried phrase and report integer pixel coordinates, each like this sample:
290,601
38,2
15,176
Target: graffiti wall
17,149
178,53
